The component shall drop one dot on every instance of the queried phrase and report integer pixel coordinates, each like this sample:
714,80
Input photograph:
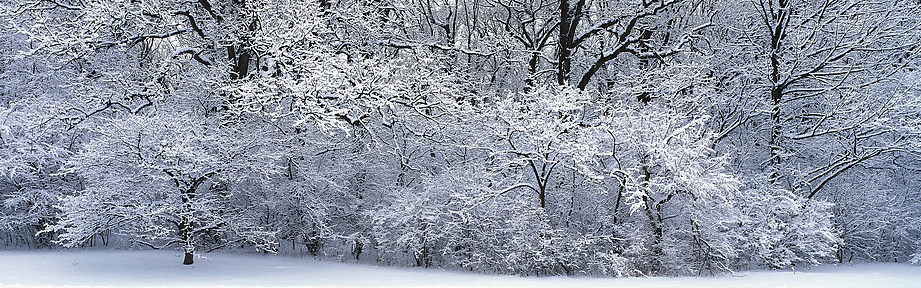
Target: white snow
108,268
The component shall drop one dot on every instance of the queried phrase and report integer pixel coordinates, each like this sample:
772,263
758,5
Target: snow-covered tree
32,148
168,179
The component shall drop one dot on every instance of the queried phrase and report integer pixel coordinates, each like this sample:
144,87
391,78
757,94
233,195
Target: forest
605,138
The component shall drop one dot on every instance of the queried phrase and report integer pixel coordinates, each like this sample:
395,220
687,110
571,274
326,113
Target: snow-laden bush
782,229
462,218
33,147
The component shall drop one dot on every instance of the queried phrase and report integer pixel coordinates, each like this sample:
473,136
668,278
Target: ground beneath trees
97,268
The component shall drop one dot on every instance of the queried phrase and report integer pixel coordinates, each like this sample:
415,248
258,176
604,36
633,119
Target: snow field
119,268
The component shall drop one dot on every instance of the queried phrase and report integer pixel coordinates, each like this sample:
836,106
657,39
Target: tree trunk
655,224
777,89
565,38
187,224
532,71
188,258
774,141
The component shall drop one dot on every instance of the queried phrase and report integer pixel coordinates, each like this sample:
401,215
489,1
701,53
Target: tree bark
777,88
655,223
564,63
188,258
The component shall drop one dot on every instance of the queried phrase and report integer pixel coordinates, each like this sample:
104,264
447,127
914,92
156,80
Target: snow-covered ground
163,269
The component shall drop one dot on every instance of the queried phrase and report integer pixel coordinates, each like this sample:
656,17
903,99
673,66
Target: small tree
167,179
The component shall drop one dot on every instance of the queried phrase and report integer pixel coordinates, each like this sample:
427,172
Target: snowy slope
162,269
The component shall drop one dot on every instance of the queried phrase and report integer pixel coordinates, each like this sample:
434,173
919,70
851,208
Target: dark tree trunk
655,223
565,39
186,226
777,88
188,258
240,57
542,177
776,128
532,72
357,250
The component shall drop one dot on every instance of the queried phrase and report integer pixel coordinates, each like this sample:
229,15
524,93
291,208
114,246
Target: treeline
531,137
